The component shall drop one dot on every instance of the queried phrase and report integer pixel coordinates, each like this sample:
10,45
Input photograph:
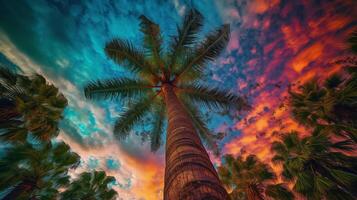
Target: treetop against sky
273,44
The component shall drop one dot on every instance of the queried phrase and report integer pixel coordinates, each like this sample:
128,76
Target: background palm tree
90,186
250,179
167,84
36,171
316,166
28,105
332,105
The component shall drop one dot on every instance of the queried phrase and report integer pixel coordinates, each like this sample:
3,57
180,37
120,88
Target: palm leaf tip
206,51
187,34
152,37
124,53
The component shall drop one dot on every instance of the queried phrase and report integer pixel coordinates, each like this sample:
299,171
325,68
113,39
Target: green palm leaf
279,192
212,97
116,88
152,41
187,35
90,186
129,117
207,51
125,54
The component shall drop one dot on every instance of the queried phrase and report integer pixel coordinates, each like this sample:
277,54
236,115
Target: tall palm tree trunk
189,173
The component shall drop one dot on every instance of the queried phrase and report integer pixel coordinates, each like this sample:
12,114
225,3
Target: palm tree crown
249,179
181,67
332,105
28,105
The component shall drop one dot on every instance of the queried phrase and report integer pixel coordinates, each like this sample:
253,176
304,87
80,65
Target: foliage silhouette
28,105
36,171
316,166
90,186
250,179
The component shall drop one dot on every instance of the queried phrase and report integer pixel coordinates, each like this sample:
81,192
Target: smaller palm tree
90,186
315,167
250,179
36,172
28,105
332,105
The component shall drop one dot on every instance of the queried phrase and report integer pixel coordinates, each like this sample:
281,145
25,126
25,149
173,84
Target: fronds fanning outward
91,185
116,88
28,105
314,167
332,105
187,35
132,115
158,127
181,67
212,97
125,54
248,178
207,51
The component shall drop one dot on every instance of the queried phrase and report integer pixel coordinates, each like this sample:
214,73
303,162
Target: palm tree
316,166
36,172
168,84
250,179
332,105
28,105
90,186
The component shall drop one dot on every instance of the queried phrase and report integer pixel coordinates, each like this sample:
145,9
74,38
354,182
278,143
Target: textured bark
189,173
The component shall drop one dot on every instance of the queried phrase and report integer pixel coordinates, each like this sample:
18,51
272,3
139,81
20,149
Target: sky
273,44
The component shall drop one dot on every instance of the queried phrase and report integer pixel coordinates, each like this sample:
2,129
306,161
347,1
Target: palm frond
116,88
7,75
158,127
152,41
124,53
278,192
201,126
212,97
133,114
207,51
187,34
